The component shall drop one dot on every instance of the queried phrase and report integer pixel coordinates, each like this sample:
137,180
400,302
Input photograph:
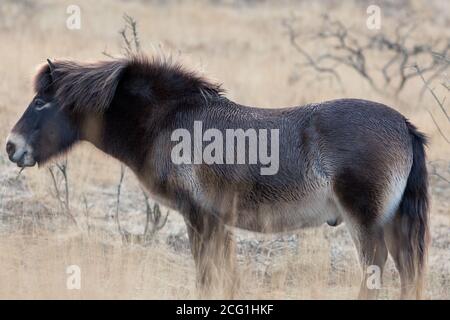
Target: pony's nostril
10,148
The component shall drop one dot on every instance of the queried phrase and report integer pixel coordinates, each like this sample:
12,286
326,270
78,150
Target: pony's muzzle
19,151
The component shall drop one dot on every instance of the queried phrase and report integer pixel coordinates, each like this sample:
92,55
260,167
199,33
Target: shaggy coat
348,160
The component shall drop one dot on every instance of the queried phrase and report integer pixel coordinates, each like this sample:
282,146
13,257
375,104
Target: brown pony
348,160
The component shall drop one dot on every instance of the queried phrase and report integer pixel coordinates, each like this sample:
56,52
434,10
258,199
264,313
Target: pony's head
45,129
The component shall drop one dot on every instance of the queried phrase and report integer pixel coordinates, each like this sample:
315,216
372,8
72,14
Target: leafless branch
107,54
87,214
436,173
130,45
119,188
438,127
436,98
154,219
63,199
438,101
351,49
310,61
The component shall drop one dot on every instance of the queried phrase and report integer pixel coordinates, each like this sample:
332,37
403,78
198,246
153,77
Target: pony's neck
92,130
114,137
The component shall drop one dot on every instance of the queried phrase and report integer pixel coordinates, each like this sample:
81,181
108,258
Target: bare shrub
155,221
350,49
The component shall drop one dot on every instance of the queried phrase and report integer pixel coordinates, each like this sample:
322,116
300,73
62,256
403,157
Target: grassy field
243,45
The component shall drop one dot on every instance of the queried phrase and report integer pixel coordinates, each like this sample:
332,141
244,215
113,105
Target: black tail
414,211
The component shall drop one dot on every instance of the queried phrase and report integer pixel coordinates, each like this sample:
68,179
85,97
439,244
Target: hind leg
398,246
360,199
372,253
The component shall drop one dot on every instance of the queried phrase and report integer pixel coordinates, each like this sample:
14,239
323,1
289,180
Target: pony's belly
313,210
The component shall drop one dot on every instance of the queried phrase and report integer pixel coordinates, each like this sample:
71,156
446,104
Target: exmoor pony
352,161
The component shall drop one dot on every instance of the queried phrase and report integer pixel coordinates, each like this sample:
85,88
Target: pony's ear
44,76
51,66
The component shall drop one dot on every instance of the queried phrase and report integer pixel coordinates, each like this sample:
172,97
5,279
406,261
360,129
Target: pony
348,160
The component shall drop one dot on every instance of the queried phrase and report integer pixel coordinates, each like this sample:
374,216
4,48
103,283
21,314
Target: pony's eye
39,102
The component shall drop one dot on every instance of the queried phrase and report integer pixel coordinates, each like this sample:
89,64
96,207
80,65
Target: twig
439,102
133,25
20,172
131,46
437,126
63,169
107,54
436,173
87,214
310,61
154,218
64,204
119,187
55,186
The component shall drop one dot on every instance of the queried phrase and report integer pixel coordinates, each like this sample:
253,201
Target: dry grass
246,48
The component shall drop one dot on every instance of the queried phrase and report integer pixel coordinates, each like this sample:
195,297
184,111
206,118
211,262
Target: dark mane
92,86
